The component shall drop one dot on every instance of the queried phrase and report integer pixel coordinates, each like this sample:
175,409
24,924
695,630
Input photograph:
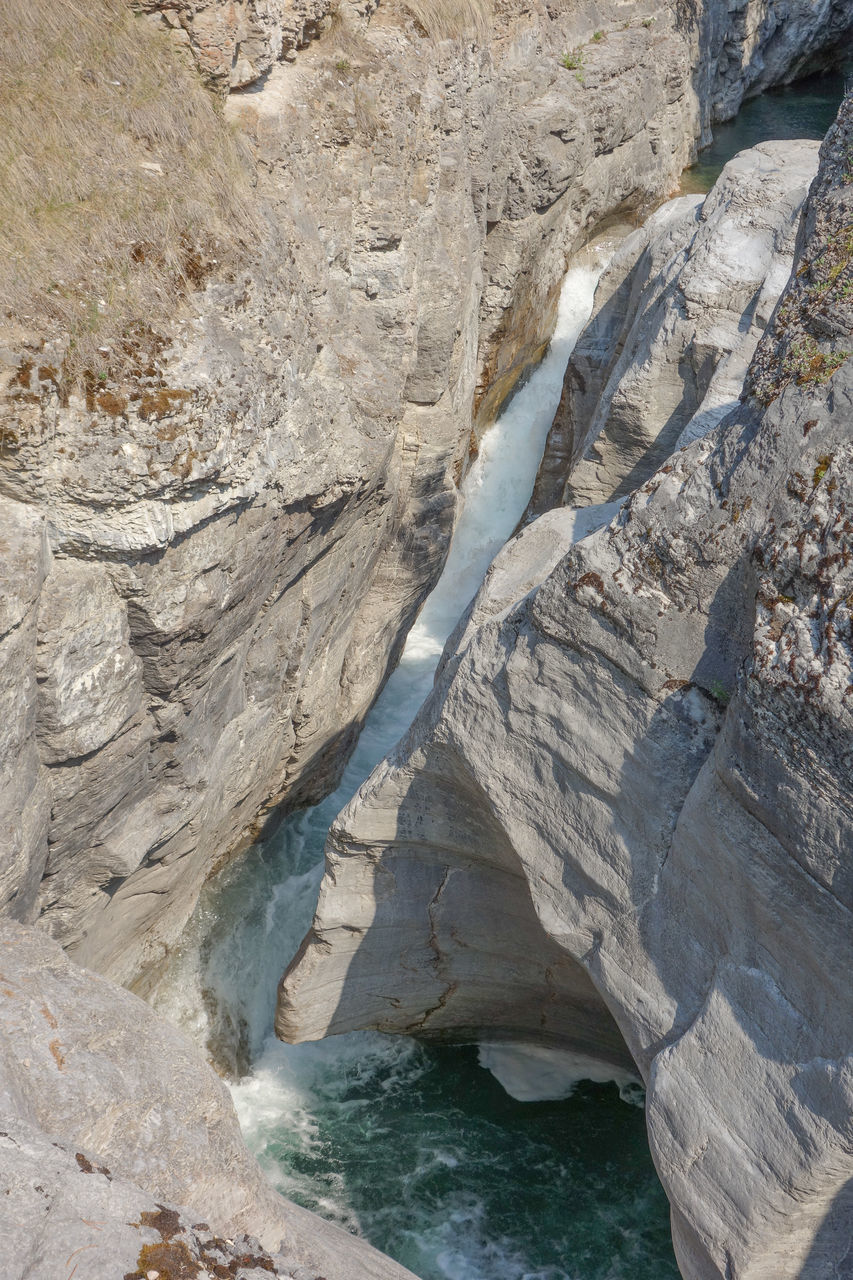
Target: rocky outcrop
643,753
677,317
227,537
109,1122
62,1209
235,44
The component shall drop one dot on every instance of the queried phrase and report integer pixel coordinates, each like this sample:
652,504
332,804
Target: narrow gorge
290,290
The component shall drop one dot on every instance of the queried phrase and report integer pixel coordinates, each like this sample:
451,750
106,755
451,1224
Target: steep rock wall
216,554
235,44
648,738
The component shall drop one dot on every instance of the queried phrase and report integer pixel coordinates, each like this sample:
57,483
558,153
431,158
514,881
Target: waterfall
419,1148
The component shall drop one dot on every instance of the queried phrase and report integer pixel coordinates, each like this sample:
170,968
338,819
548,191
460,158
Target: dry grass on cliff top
120,183
452,19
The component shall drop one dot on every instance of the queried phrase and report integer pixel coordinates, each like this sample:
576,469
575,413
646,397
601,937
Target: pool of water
805,109
422,1150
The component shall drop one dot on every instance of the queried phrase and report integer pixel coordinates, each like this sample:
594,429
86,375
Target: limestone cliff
216,545
626,804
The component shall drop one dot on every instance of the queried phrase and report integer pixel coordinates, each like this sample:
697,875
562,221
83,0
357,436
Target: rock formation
109,1122
235,44
677,317
216,553
627,802
213,548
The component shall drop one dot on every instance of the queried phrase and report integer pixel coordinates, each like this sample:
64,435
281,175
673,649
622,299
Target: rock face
216,557
677,318
643,752
221,549
235,44
62,1208
754,44
109,1120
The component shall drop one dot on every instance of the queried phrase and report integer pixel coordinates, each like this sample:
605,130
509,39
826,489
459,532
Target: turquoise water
416,1146
440,1168
802,110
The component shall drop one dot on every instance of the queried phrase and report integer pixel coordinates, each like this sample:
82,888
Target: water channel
418,1147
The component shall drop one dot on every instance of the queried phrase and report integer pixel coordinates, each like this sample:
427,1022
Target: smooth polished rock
676,320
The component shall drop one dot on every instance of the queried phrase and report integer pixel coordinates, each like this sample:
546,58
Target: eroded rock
678,315
110,1120
657,741
257,506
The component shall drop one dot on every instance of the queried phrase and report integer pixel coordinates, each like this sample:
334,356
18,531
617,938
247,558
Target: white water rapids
494,495
378,1133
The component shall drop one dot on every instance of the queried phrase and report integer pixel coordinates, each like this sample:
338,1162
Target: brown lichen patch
113,404
591,580
166,1222
86,1166
56,1049
48,1017
172,1259
157,404
250,1261
228,1270
21,377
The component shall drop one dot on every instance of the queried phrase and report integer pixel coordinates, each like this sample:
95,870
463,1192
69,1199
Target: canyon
213,556
619,829
255,518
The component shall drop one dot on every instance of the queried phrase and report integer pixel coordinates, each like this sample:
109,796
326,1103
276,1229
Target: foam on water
418,1147
531,1073
499,484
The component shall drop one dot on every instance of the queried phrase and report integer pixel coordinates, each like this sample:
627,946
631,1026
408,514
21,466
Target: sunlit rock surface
650,754
109,1119
678,315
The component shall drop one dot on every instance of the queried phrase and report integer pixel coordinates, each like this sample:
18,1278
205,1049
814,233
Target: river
418,1147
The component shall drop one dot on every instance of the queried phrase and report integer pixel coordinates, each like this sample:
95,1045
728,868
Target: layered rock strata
217,552
214,558
644,751
677,317
110,1122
